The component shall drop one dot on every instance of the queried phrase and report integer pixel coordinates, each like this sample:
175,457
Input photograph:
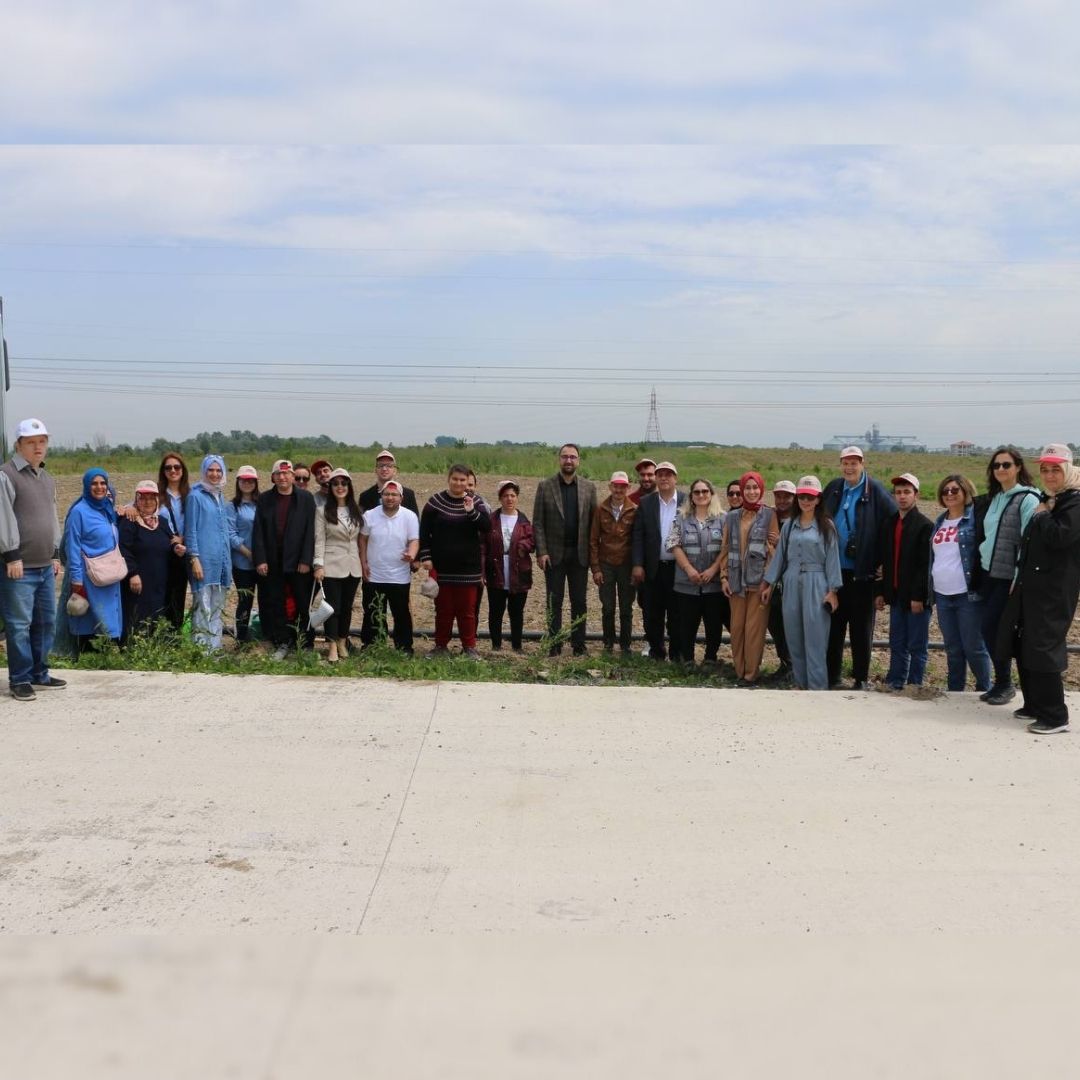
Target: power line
473,400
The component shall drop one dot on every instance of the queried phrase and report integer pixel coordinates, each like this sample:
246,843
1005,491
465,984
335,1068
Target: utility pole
652,428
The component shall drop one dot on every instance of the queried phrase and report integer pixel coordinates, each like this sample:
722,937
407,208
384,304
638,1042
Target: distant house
963,448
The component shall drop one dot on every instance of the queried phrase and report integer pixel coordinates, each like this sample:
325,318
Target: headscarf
747,505
147,521
1072,478
213,459
104,505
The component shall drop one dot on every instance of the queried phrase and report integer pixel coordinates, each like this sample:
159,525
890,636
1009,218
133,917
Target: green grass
719,464
163,652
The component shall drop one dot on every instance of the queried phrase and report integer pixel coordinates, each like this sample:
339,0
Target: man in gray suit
654,565
562,517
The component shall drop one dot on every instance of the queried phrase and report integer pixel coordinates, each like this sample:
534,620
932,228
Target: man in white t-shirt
389,542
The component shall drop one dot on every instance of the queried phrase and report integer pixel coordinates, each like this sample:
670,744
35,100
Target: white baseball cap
667,465
247,472
620,477
851,451
784,485
906,478
808,485
30,427
1054,453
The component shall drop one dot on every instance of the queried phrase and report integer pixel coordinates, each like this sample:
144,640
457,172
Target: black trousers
661,607
383,595
569,573
857,611
340,595
776,627
176,592
246,581
1044,695
995,595
499,602
275,626
694,609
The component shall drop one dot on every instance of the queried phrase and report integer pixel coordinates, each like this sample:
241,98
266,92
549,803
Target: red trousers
456,602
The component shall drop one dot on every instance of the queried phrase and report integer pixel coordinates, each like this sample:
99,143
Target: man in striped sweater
451,529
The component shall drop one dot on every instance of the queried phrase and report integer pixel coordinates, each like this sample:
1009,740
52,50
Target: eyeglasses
1003,465
954,490
173,468
301,479
701,491
384,464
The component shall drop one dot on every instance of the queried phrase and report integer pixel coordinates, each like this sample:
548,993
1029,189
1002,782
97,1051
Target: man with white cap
609,559
562,517
905,584
646,474
654,565
283,550
389,543
30,544
386,469
859,505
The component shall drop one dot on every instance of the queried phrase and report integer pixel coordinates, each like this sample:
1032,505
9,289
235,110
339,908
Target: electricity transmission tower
652,428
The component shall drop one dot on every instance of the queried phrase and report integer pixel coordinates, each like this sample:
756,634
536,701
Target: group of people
812,568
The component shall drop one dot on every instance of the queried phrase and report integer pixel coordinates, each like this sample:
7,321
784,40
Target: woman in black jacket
1043,602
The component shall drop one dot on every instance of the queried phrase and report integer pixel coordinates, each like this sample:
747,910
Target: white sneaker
645,649
280,652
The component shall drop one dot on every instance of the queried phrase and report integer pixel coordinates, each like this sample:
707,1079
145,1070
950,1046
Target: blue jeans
909,635
960,619
29,609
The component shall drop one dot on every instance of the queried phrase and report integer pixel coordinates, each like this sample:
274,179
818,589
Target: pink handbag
106,569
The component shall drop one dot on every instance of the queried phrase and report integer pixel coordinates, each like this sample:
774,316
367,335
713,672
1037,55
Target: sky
512,222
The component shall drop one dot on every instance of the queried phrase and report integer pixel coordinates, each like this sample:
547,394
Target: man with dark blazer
562,521
385,470
283,549
905,584
654,564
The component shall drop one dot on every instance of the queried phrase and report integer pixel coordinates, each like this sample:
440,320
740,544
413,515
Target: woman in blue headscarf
90,539
206,536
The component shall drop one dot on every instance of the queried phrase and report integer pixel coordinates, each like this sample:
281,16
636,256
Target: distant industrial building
875,440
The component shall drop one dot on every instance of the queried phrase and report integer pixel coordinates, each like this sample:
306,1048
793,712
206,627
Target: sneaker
438,652
23,692
645,649
858,684
985,695
280,652
51,684
1048,727
1023,714
470,654
1000,697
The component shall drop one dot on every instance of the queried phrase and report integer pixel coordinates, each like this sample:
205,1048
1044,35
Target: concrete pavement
549,880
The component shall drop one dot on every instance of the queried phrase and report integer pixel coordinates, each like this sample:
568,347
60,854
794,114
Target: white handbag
318,610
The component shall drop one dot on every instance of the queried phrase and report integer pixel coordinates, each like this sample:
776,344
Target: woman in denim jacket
954,572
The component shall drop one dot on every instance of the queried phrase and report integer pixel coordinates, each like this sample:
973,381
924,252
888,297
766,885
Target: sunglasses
301,479
951,490
701,491
1003,465
804,495
339,483
173,468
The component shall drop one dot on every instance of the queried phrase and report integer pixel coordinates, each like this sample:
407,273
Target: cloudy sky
511,221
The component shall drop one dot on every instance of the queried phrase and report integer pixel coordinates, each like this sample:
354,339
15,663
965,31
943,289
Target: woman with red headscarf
750,535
